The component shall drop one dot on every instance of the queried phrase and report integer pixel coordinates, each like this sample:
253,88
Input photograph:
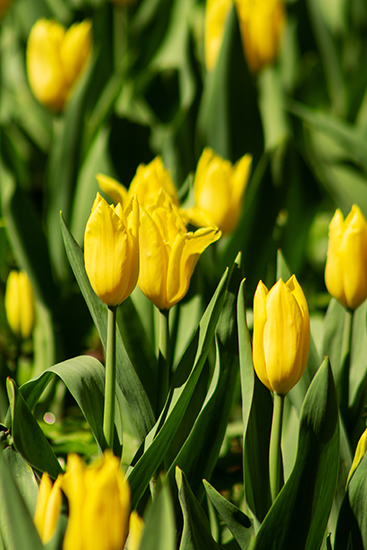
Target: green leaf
16,524
29,440
257,410
127,378
226,90
199,453
272,107
27,239
196,531
299,515
84,378
23,476
236,521
160,529
352,527
183,385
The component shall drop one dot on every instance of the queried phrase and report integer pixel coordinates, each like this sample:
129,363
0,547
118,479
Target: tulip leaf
298,517
226,89
256,415
23,476
16,524
127,379
160,529
28,437
236,521
27,239
84,378
196,531
200,451
351,531
183,385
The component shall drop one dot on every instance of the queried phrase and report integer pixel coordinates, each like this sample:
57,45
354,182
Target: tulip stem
343,382
164,358
275,454
110,378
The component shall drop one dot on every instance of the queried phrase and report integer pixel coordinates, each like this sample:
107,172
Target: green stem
110,378
343,381
164,358
275,454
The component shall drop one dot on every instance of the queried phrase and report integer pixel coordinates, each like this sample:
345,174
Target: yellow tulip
111,250
261,24
358,455
281,337
216,15
168,253
55,59
136,528
218,191
346,265
99,504
147,182
48,507
19,304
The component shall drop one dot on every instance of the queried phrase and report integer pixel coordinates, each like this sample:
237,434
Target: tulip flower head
281,336
168,253
219,187
261,24
48,507
56,58
111,250
99,504
19,304
216,15
147,182
346,264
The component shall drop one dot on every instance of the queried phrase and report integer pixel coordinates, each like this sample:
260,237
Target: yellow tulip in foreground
216,15
48,507
55,59
111,250
99,504
261,24
218,191
136,528
147,182
281,337
168,253
346,265
19,304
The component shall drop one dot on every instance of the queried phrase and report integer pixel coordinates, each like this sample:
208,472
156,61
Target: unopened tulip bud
111,250
281,337
219,187
19,304
261,25
48,507
56,58
346,265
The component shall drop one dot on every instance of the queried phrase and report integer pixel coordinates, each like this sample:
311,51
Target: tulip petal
282,338
106,254
113,189
260,318
148,181
75,50
153,261
334,264
354,254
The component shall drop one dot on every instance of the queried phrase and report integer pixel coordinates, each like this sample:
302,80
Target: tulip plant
183,288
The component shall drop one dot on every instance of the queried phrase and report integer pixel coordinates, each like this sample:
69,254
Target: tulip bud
218,191
261,24
168,253
281,337
56,58
216,15
346,265
19,304
48,507
147,182
111,250
99,504
136,528
358,455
